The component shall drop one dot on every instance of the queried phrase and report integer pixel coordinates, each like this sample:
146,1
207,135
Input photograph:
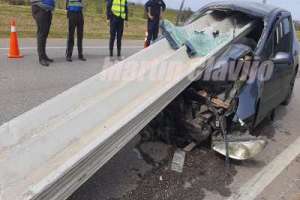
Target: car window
283,36
278,35
269,46
286,26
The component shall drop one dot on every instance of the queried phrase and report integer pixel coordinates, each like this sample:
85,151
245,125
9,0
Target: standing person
42,13
117,13
155,10
76,21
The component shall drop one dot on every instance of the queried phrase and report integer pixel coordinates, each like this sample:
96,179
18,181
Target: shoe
49,59
69,59
44,63
82,58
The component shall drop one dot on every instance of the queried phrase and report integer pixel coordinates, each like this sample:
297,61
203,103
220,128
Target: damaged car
239,88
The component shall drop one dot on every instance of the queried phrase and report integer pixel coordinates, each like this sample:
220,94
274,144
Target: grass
95,21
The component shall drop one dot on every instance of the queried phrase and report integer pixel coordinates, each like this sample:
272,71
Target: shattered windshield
176,35
198,43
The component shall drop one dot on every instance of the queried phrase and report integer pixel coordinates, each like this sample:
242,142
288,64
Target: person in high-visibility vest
117,13
42,13
154,10
76,21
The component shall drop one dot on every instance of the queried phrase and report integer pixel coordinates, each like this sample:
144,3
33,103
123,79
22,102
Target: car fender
248,100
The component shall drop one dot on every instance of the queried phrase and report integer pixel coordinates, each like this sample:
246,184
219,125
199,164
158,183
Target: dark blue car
226,110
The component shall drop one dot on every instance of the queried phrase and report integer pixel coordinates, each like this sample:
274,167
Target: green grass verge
95,22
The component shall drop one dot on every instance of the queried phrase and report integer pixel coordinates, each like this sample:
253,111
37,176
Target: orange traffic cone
14,51
145,43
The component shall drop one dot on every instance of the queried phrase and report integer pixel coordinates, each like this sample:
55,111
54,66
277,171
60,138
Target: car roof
254,8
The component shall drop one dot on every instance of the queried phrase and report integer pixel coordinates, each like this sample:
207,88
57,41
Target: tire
288,99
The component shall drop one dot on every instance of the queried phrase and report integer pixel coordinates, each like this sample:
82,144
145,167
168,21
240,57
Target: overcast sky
291,5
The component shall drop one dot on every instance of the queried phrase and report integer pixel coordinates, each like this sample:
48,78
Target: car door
285,69
267,87
275,90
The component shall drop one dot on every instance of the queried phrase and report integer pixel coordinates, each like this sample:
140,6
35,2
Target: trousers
76,22
153,30
116,31
43,21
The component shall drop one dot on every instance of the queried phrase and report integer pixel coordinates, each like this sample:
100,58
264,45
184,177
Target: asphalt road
24,84
141,170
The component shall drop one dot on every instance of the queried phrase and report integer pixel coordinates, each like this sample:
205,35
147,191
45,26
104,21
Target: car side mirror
282,58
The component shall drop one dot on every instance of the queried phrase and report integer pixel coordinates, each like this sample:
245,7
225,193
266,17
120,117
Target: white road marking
265,177
64,47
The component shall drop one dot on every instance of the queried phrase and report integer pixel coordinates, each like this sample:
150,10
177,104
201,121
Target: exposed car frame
229,126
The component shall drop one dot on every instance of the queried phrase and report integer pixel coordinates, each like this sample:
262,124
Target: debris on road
187,185
241,146
138,153
178,161
161,178
203,171
190,147
154,152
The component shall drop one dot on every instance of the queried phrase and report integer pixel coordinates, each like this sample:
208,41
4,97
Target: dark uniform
117,12
42,13
154,9
76,22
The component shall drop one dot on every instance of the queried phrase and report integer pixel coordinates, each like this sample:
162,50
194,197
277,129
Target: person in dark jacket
42,13
117,13
154,10
75,21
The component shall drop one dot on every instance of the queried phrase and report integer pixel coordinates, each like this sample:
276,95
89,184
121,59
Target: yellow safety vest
118,8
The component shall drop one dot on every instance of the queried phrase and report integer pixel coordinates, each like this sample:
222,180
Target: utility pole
180,12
